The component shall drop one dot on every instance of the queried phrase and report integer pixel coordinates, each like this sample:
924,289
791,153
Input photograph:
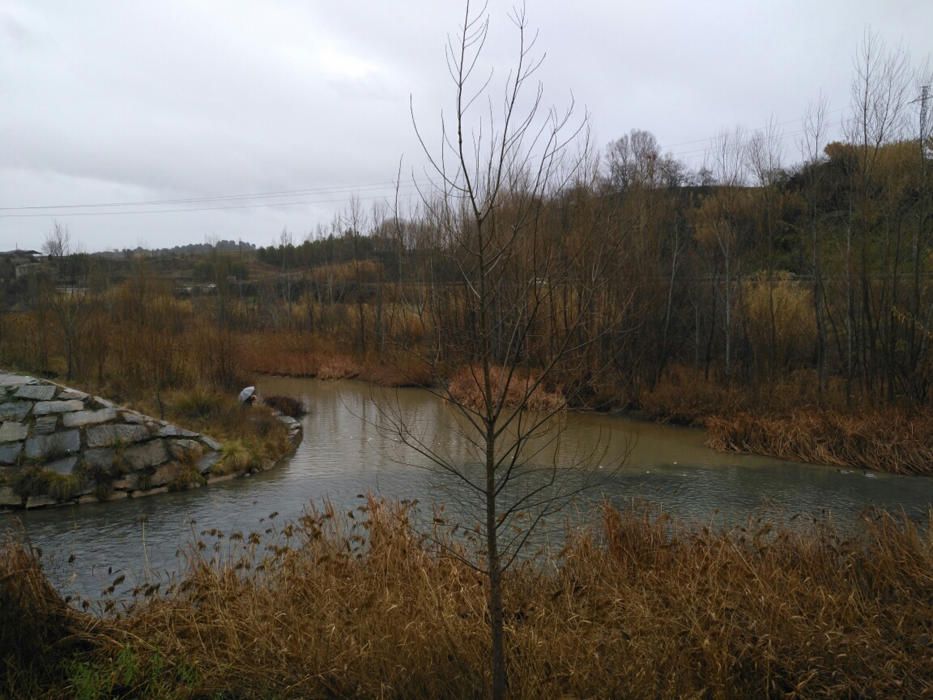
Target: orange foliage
466,386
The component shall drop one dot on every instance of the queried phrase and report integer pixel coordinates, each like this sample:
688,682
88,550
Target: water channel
347,451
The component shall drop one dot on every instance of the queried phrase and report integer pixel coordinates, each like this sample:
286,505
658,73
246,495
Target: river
346,452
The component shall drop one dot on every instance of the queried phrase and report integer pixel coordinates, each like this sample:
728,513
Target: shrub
186,478
237,458
466,386
286,405
31,481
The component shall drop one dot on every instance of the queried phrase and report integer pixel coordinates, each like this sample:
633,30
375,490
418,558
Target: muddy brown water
347,451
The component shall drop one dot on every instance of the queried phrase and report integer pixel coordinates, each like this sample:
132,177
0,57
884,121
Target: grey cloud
104,101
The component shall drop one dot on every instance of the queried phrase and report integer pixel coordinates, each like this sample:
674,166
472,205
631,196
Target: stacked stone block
56,429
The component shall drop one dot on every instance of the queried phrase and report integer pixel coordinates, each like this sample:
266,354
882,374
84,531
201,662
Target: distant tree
57,241
635,160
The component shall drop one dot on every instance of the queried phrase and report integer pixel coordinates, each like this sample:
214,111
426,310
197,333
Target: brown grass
37,628
889,441
639,608
310,355
791,420
466,386
253,429
292,354
399,371
685,397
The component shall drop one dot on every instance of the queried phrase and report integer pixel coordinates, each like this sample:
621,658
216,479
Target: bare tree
764,155
716,226
879,96
57,241
492,175
811,146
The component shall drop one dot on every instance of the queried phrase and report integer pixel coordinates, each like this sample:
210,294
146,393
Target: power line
190,209
712,138
212,198
709,140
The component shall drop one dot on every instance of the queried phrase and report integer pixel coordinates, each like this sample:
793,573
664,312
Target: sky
106,104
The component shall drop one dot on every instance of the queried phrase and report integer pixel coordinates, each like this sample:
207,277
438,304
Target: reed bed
360,605
307,355
883,441
466,386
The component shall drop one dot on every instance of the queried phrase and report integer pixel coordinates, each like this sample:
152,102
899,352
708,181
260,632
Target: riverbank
756,611
790,420
60,445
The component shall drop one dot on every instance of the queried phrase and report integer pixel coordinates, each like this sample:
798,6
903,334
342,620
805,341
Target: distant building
21,263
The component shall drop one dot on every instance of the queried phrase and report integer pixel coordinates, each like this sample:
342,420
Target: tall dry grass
791,419
359,605
520,388
889,441
315,355
38,629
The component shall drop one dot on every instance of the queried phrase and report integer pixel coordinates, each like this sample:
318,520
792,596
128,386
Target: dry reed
888,441
358,605
466,386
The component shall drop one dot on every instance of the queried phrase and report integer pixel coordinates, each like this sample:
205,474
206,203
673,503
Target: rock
15,410
11,431
165,474
65,465
40,502
9,453
116,496
175,431
45,425
107,435
67,394
36,392
15,380
133,417
128,484
80,418
287,420
184,450
45,407
149,492
148,454
104,403
99,458
8,497
45,446
207,462
211,442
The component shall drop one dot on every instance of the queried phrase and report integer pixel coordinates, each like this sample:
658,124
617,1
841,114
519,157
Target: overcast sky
123,101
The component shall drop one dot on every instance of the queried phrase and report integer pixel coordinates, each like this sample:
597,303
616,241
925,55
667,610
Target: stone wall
59,445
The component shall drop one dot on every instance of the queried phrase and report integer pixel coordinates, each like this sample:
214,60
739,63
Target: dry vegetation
310,355
792,422
367,608
251,437
883,441
521,388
